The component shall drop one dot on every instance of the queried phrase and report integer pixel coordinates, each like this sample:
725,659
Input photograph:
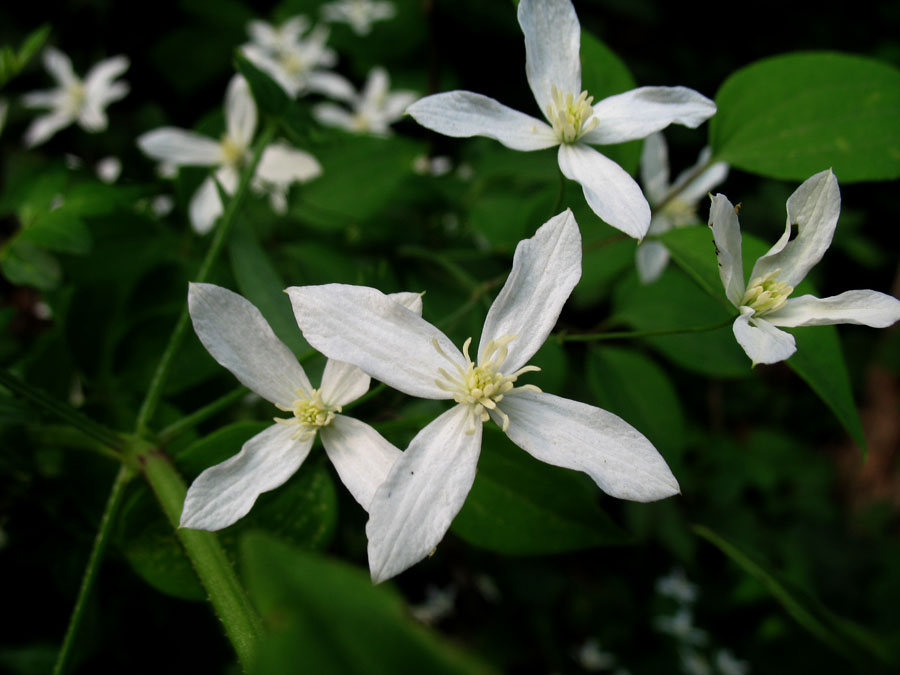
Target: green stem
93,566
154,392
462,277
229,600
37,396
627,335
175,429
372,393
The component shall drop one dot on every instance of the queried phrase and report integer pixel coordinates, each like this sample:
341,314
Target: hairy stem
629,335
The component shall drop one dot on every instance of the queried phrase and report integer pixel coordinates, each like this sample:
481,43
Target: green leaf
634,387
795,115
326,617
303,511
32,44
260,283
268,94
842,635
60,230
521,506
26,264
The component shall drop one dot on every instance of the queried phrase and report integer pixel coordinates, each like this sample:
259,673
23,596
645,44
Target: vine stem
154,392
178,427
627,335
113,503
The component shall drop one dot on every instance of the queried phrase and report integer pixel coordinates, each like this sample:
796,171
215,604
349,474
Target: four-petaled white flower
428,484
553,68
765,302
279,166
360,14
374,109
675,203
235,333
295,62
75,100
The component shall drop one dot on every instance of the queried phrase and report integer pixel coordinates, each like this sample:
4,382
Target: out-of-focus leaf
12,63
268,94
326,617
794,115
842,635
521,506
26,264
60,230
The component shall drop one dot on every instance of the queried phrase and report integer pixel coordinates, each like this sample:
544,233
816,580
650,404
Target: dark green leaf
26,264
60,230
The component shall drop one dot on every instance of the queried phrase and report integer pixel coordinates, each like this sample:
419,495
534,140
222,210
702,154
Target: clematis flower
277,38
74,99
553,68
675,203
360,14
765,302
235,333
374,109
279,166
428,484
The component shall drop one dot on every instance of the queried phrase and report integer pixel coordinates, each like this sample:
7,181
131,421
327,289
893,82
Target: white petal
693,190
258,57
651,259
361,456
99,79
610,192
282,164
412,301
377,85
760,340
578,436
342,382
45,126
552,45
865,308
205,207
179,147
237,335
331,85
364,327
424,491
726,230
92,118
44,98
462,114
59,66
640,112
814,208
240,111
545,269
224,493
332,115
655,168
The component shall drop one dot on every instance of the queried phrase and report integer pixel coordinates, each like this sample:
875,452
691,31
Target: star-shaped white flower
765,302
678,200
360,14
277,38
374,109
235,333
553,68
279,166
429,483
75,100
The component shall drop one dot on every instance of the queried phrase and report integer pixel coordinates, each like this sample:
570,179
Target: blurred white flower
74,99
279,165
592,658
727,664
109,169
765,302
439,165
277,38
675,203
675,585
438,604
693,662
681,627
372,111
360,14
162,205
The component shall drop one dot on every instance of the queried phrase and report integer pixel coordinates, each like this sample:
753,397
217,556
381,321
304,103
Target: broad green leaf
633,386
520,506
303,511
60,230
268,94
25,264
794,115
260,283
325,616
694,251
33,43
842,635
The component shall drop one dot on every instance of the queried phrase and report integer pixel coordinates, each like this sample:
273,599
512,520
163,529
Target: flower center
310,413
680,212
232,150
766,294
481,387
293,62
75,95
570,116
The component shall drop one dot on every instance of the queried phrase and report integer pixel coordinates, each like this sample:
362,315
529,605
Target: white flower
429,483
277,38
360,14
676,585
374,109
553,68
439,604
278,166
235,333
75,100
677,201
109,169
681,627
727,664
694,663
765,302
592,658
